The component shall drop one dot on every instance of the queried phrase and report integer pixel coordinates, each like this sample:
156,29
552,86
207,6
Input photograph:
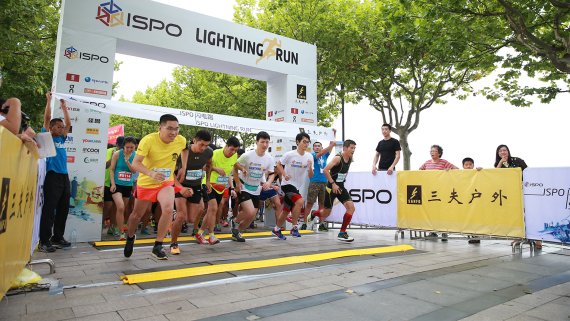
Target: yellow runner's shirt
227,164
159,157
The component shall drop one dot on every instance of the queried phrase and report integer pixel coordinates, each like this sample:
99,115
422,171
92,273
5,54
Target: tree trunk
406,152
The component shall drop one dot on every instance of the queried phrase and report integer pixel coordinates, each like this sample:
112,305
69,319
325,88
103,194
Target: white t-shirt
257,167
296,167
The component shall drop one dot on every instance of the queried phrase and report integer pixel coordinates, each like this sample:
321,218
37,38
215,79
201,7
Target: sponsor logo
92,131
529,184
414,194
301,92
95,81
92,141
112,15
72,77
71,149
71,89
69,139
89,160
279,119
306,112
554,191
278,112
278,148
269,114
381,196
71,159
294,111
90,150
73,109
100,105
307,120
268,49
95,91
94,120
72,53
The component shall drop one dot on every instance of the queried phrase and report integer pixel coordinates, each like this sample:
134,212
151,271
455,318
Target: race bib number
341,177
194,175
223,180
165,171
124,176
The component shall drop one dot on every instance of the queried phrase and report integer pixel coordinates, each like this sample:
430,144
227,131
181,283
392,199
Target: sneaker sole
345,241
160,258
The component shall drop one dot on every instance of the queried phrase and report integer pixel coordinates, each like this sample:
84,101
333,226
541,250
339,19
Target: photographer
11,114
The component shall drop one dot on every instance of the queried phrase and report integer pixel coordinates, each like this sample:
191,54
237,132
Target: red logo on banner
95,91
115,132
72,77
294,110
269,114
71,159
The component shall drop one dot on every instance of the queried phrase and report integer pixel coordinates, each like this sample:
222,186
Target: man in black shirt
387,152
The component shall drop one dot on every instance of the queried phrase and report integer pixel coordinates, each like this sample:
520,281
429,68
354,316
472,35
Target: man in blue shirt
56,184
318,183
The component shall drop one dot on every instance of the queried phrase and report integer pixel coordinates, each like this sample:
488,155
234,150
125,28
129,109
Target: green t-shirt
227,164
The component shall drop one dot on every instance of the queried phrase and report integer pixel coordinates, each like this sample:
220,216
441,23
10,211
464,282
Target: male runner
249,171
189,200
223,161
335,172
293,168
155,161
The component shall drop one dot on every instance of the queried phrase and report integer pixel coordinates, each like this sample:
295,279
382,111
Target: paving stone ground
439,281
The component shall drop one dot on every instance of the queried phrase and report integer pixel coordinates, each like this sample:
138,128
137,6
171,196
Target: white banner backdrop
197,118
374,198
547,203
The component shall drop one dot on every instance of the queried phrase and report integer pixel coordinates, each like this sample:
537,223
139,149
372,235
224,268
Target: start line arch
91,32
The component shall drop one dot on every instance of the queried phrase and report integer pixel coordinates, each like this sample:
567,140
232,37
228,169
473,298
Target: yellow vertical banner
18,180
487,202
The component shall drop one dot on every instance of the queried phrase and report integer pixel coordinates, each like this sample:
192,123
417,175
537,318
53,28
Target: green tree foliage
401,56
28,32
537,33
201,90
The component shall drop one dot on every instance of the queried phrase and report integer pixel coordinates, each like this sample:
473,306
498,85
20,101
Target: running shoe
323,228
236,236
295,233
217,228
158,252
213,240
225,224
46,248
60,244
123,237
444,237
111,231
304,226
184,228
343,237
174,249
200,239
128,251
278,234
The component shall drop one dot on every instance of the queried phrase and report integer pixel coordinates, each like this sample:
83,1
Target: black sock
157,244
131,238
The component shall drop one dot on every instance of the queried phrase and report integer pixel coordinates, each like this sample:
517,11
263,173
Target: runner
249,171
293,168
155,161
223,161
189,202
122,179
318,184
335,172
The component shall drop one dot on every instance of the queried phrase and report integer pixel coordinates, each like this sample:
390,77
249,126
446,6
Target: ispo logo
73,53
111,15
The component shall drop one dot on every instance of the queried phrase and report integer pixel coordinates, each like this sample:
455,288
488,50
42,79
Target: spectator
11,120
436,162
387,152
469,163
56,184
503,159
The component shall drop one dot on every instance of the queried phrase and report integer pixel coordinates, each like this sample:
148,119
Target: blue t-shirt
318,165
57,163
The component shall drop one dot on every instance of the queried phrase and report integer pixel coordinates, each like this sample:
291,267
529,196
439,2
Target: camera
25,118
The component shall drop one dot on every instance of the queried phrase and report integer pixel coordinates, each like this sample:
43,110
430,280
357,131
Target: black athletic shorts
195,198
343,197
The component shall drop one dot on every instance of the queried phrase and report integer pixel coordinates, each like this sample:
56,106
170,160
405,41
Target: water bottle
73,238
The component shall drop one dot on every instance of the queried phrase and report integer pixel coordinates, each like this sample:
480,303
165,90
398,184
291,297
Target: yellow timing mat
249,265
191,238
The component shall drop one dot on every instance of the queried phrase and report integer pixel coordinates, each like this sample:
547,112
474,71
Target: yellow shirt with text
159,157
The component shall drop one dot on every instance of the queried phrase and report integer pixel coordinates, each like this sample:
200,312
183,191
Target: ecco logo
111,15
91,150
72,53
